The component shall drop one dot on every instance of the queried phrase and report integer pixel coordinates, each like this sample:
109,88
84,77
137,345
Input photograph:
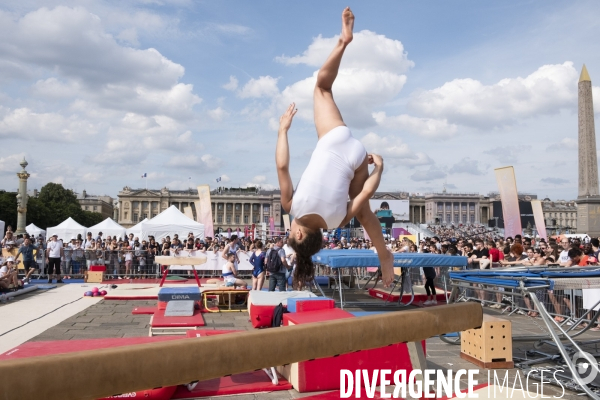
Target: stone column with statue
22,199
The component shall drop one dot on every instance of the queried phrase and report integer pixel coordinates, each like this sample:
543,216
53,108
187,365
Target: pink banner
272,225
507,186
538,216
204,210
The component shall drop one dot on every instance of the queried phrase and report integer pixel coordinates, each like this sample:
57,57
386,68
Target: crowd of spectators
125,257
454,232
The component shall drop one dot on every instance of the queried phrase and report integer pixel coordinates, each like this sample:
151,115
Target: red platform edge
249,382
160,321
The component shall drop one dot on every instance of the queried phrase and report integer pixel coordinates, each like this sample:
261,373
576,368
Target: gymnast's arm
369,188
282,158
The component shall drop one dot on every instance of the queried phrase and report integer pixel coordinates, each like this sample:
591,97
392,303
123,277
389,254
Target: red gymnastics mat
33,349
208,332
384,294
250,382
160,321
144,310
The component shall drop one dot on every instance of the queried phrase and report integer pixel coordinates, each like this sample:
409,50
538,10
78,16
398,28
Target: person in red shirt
495,254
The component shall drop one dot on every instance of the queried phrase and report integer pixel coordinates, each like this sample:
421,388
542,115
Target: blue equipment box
179,293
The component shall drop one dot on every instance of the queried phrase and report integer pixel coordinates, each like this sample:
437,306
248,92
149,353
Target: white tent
108,227
34,230
137,229
170,222
67,229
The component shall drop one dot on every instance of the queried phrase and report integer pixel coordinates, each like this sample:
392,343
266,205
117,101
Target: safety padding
324,373
94,374
315,316
261,305
309,304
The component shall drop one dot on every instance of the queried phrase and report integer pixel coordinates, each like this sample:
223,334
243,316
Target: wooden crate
95,277
489,346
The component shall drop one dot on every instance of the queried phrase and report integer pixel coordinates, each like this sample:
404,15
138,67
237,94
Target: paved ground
114,319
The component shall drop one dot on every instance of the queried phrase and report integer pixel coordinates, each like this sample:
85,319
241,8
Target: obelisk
588,199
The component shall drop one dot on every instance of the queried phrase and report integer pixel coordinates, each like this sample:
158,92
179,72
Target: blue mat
38,281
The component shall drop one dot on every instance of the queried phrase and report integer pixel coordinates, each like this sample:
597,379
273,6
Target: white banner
214,261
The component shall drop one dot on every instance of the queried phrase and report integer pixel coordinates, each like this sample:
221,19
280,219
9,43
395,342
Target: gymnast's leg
327,115
369,221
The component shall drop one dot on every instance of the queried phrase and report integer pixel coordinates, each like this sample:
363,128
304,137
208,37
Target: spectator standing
28,260
277,266
55,252
257,259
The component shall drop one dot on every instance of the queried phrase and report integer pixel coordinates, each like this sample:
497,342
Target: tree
8,208
55,204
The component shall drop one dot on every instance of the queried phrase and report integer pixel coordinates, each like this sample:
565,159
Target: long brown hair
305,269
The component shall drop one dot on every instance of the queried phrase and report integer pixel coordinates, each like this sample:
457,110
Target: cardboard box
95,277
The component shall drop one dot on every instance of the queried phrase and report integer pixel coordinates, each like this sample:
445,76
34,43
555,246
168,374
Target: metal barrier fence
567,306
131,264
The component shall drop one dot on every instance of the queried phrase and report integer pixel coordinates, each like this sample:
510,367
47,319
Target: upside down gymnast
336,186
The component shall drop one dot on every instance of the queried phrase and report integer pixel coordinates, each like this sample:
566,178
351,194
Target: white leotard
323,188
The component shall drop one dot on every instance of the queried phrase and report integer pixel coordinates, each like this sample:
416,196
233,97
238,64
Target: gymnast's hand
285,121
376,160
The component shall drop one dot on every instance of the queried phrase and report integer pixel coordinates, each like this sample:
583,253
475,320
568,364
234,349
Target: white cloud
469,102
394,150
555,181
73,42
427,127
23,123
264,86
430,174
91,64
259,179
231,29
207,161
368,50
370,75
218,114
564,144
467,166
232,84
211,162
225,178
10,164
129,36
508,154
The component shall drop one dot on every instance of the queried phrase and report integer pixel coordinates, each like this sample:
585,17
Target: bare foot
347,25
386,260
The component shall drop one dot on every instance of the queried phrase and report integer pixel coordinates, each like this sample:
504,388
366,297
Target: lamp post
22,199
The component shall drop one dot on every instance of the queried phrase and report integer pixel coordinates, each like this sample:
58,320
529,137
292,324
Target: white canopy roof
108,227
170,222
137,229
34,230
67,229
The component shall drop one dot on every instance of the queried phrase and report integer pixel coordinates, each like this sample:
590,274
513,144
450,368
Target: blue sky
96,93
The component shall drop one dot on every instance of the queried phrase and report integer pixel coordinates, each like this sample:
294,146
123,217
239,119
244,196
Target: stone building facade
231,207
239,207
560,216
100,204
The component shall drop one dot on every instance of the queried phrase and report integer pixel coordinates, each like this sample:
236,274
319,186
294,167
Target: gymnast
336,185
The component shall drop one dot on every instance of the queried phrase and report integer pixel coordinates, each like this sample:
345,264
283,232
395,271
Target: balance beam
182,260
93,374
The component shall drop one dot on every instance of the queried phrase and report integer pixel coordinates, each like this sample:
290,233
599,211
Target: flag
143,176
219,179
